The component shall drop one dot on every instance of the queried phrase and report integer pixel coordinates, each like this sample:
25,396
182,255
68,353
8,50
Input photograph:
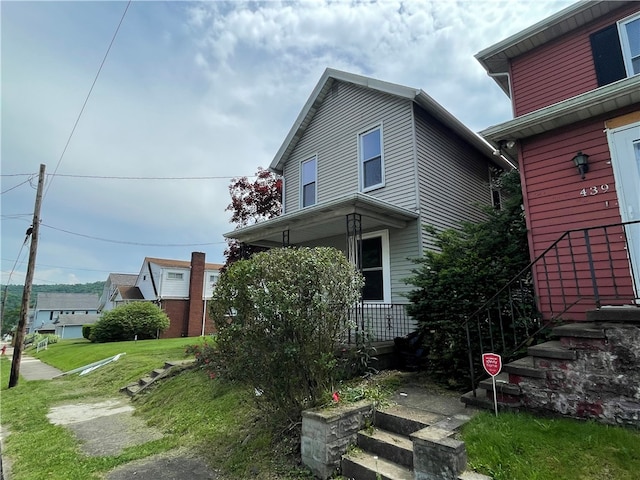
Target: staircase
590,370
169,368
406,443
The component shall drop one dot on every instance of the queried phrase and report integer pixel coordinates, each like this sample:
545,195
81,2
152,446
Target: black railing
379,322
581,270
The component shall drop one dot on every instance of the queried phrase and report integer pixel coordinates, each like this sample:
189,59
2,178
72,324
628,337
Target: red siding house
574,83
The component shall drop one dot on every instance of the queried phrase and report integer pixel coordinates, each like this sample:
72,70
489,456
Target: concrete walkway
33,369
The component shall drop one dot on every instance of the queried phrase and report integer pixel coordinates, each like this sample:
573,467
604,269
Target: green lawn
521,446
219,422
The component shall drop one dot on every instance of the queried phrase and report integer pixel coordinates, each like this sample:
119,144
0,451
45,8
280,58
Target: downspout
508,75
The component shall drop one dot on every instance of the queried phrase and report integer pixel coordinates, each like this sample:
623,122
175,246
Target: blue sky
199,90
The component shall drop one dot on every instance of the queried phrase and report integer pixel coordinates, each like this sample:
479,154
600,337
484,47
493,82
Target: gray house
50,306
366,164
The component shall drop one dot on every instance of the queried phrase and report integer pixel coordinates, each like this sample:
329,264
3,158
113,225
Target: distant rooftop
67,301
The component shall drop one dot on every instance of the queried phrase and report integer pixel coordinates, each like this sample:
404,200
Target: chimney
196,301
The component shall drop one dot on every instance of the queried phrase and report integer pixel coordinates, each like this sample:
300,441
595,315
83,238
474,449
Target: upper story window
616,50
309,174
174,276
371,159
630,40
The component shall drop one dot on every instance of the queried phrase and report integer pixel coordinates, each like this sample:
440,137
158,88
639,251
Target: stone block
436,455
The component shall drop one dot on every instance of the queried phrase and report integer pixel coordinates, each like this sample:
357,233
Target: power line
86,100
120,177
28,180
123,242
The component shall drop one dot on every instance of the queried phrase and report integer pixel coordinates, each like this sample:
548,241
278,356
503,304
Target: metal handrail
568,301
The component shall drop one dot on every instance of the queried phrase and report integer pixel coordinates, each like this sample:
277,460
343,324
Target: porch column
354,239
244,251
285,238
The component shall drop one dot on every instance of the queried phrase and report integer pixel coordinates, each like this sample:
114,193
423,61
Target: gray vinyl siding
453,177
403,247
332,135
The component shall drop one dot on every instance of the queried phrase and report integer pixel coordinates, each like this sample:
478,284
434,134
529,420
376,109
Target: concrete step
144,381
484,399
622,314
131,390
390,446
360,465
404,420
503,386
523,367
552,349
157,372
580,330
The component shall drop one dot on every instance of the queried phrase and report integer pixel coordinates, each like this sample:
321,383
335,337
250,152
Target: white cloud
204,89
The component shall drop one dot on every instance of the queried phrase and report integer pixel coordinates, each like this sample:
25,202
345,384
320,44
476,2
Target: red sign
492,363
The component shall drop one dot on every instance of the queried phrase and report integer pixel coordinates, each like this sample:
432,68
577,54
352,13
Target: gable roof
67,301
68,319
121,279
496,58
164,262
129,292
413,94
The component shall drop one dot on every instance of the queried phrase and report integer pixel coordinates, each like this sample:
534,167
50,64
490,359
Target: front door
624,143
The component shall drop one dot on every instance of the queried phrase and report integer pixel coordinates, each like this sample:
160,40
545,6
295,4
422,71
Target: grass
522,446
207,417
218,421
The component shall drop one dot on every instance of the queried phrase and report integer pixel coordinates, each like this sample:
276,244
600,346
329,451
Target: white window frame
386,265
361,160
624,43
302,184
177,276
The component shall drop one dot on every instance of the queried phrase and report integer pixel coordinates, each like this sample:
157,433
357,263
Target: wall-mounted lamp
581,161
502,145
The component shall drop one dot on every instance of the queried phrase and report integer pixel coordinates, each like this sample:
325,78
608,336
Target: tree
252,202
141,320
471,265
280,317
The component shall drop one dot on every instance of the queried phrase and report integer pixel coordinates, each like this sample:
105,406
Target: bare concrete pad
104,428
166,466
436,401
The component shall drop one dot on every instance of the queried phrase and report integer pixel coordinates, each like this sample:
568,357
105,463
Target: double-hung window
371,159
309,177
174,276
375,267
629,29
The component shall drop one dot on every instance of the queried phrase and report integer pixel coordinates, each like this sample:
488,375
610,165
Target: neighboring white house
181,288
49,307
70,326
119,289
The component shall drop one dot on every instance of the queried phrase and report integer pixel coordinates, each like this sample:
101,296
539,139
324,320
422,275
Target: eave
497,58
324,220
600,101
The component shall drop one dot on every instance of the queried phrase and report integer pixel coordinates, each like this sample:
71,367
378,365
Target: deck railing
582,270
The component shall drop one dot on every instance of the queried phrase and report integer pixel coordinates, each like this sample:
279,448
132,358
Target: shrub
142,319
280,318
86,331
472,264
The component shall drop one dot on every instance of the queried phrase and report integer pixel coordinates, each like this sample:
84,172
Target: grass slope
210,418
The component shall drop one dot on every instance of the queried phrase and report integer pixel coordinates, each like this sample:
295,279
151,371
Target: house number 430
590,191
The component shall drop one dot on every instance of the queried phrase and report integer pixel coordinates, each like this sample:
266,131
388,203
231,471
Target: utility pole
28,281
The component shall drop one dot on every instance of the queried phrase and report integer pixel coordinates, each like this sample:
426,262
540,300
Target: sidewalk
33,369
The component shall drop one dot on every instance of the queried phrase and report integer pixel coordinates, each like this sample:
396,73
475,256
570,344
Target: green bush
86,331
472,264
141,320
280,317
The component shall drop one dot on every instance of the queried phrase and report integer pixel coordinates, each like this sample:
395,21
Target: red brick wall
196,303
178,313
